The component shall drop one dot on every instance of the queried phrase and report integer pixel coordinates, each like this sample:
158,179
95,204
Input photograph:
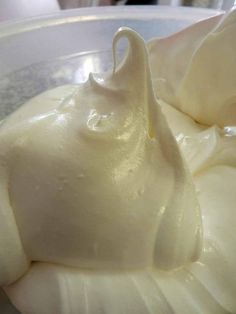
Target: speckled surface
20,86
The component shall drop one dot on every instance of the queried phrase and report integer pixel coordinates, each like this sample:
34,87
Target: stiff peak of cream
95,178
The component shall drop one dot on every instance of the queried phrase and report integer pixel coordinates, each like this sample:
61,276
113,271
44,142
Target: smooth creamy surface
99,175
110,207
195,71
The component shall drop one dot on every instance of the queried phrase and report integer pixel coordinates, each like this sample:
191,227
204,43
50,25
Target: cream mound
114,202
195,70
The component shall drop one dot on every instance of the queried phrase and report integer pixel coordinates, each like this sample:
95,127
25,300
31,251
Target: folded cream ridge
195,70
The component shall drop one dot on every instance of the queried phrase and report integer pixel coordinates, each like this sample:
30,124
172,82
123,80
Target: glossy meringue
195,70
135,245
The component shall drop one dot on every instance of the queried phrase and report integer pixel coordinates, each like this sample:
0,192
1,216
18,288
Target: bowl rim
17,26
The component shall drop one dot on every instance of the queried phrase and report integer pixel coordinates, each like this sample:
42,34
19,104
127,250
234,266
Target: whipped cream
99,175
123,204
195,71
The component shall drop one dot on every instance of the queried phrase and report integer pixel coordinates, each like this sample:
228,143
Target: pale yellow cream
195,70
99,175
123,203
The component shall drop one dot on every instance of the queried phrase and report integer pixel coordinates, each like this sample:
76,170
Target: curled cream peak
95,178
